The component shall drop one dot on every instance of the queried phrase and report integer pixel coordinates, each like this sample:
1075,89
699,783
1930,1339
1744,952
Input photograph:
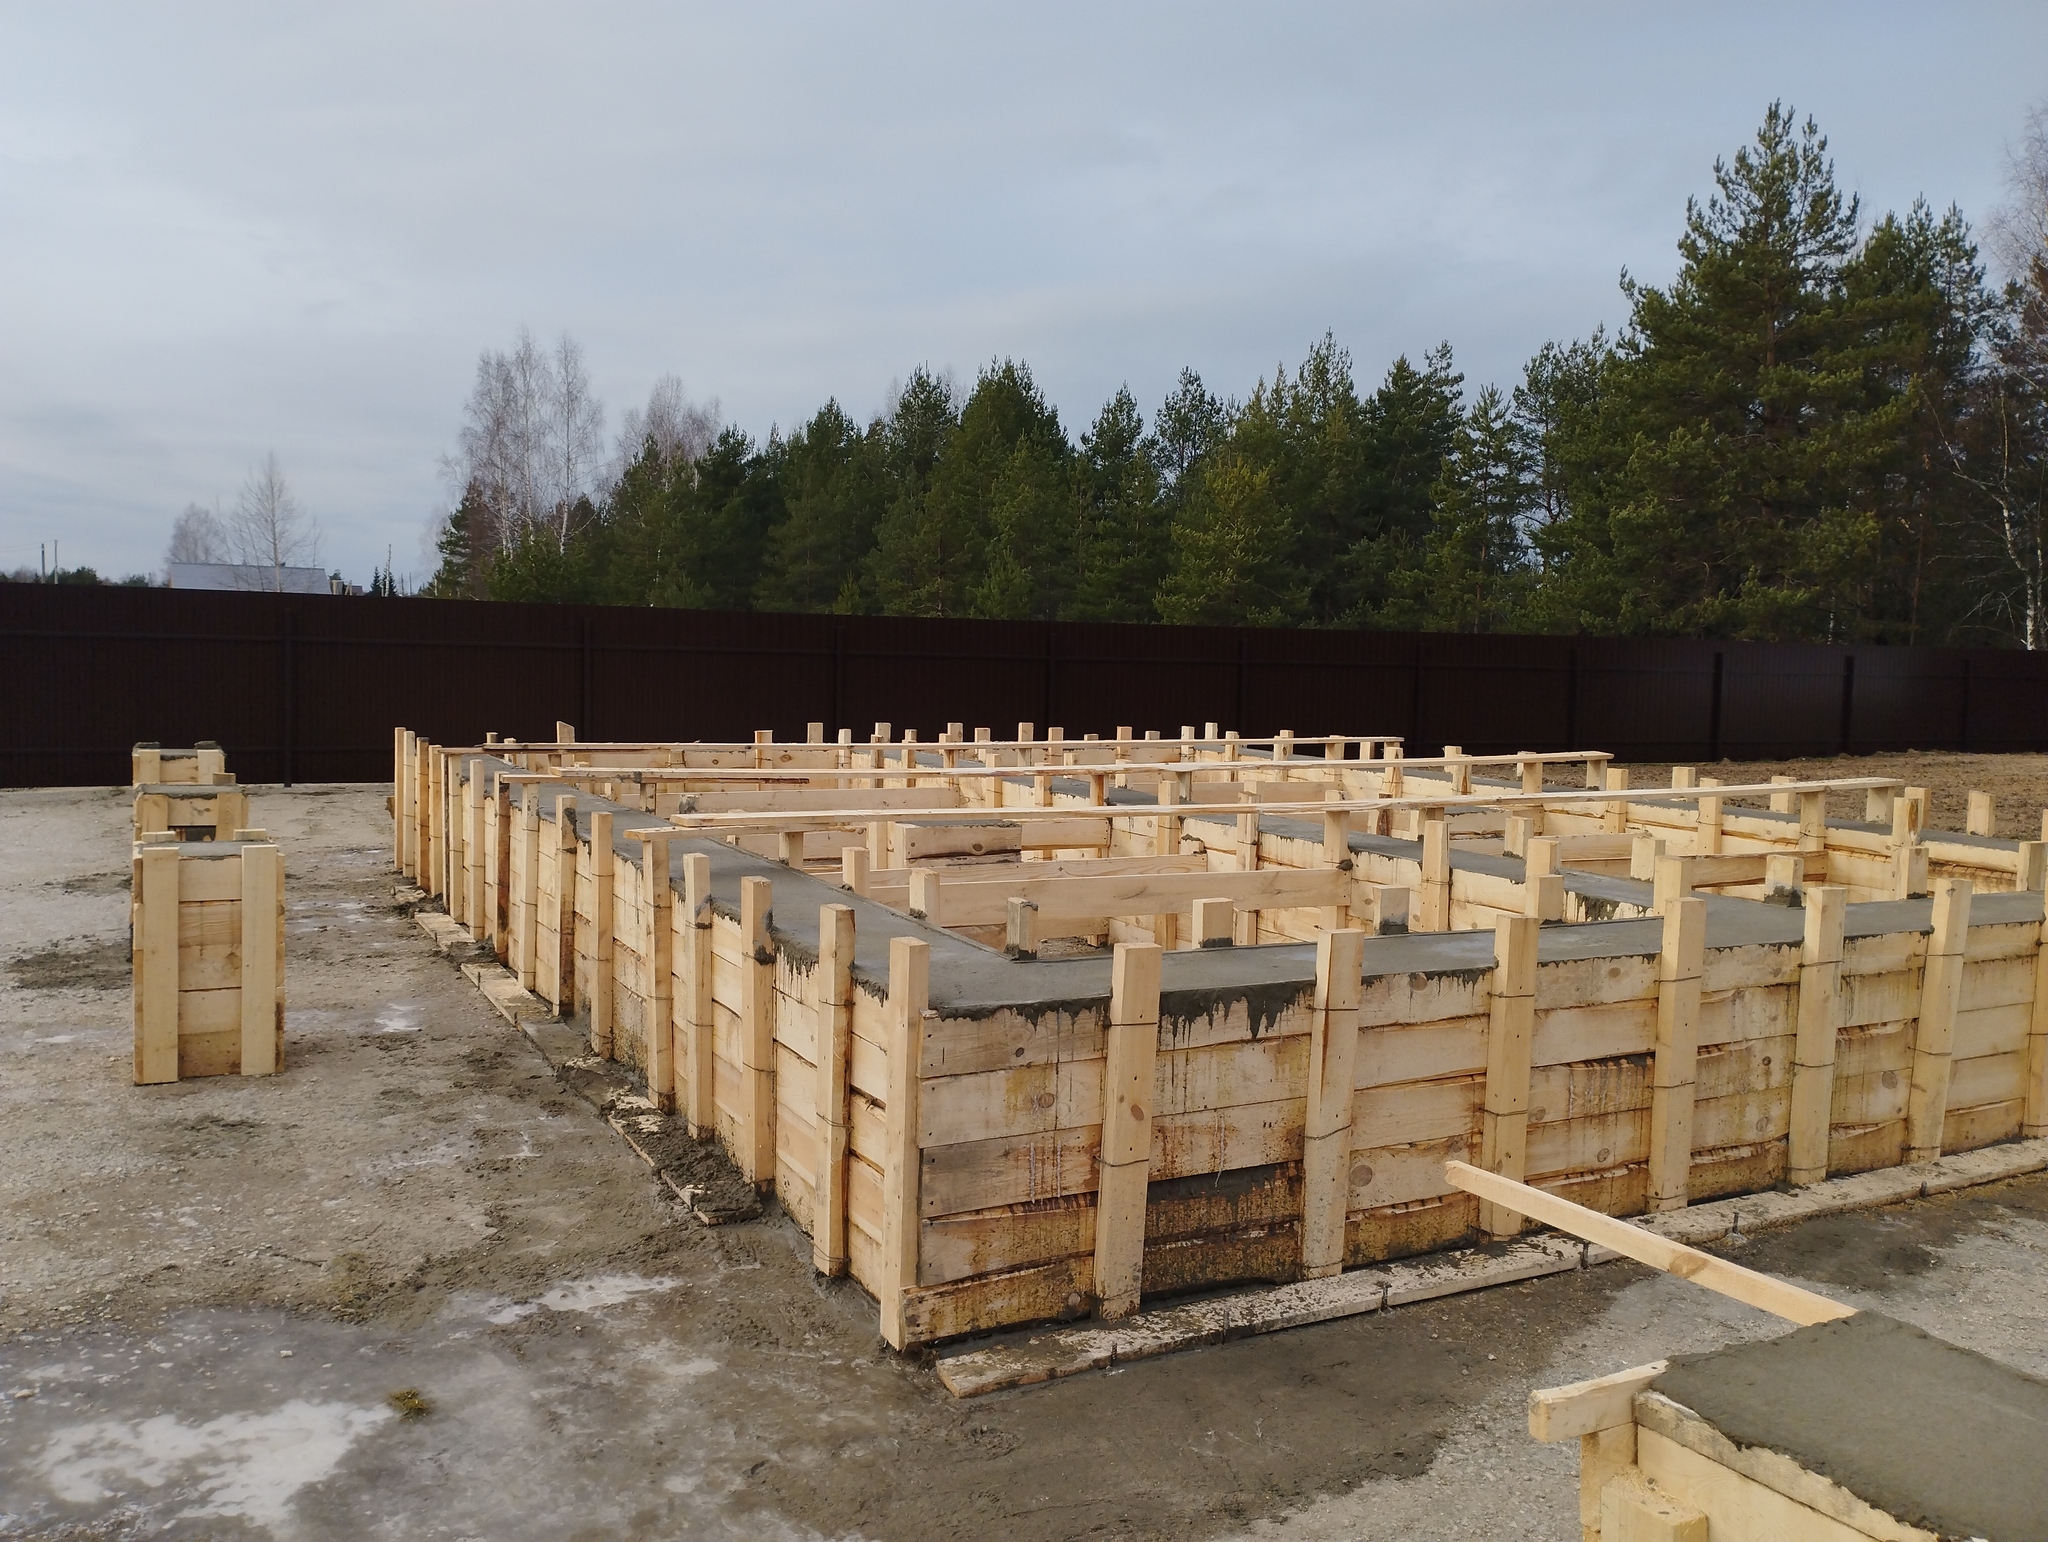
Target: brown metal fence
307,687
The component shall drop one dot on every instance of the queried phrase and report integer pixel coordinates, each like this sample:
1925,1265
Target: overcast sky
231,230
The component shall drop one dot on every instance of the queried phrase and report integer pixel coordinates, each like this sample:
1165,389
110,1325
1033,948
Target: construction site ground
418,1287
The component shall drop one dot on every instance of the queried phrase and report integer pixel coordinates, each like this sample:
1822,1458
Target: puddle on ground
593,1409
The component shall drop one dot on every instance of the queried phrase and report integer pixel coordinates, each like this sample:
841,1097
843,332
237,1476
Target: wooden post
1909,857
155,928
924,895
1643,855
853,869
1165,843
698,1024
1813,1053
1545,897
1679,967
1673,882
1941,994
1436,872
1784,876
659,1049
1979,820
603,870
1247,921
407,801
757,1028
1126,1153
1781,802
1020,930
1813,821
1706,841
1877,805
1515,837
398,759
1530,773
790,849
562,995
1617,810
1460,769
527,860
2035,1119
1326,1148
419,838
835,1048
1511,1022
1214,923
565,733
434,880
473,839
2032,871
262,945
909,994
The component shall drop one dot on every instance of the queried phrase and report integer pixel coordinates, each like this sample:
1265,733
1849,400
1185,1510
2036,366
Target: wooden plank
1679,969
1581,1407
155,926
1741,1506
1934,1039
1126,1141
909,996
1504,1121
2035,1118
657,1046
1717,1274
1327,1129
262,949
835,992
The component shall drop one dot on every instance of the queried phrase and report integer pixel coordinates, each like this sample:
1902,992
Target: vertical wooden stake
853,869
925,891
419,838
1706,841
1673,882
1979,820
398,758
2032,870
789,849
408,803
698,1024
659,1048
1511,1023
526,860
1617,810
1781,802
1436,872
155,909
1813,1053
757,1029
435,882
562,995
1166,843
835,1047
909,995
2035,1119
603,871
1126,1160
1813,821
1020,929
1326,1149
1941,994
1679,967
262,958
473,853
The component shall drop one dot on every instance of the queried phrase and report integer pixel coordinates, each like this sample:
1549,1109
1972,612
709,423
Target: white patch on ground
57,1038
244,1465
591,1295
399,1017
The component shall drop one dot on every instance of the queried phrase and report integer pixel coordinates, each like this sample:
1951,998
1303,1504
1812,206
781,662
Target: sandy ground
214,1296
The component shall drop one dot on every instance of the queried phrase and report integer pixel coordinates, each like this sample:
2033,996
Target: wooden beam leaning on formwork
1765,1292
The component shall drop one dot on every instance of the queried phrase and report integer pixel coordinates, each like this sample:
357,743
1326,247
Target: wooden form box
1860,1427
152,764
208,927
934,1117
209,812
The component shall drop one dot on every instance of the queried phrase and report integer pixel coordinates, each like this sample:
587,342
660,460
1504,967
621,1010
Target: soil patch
76,964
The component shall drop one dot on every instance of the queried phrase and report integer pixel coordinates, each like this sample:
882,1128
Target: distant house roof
249,577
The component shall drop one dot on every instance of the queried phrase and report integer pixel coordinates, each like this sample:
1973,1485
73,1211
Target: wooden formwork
208,926
152,764
928,1100
192,811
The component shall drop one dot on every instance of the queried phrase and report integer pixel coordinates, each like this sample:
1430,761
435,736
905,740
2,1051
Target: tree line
1825,428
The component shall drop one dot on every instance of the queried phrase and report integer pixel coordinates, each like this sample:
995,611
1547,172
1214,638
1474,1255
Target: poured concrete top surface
1939,1437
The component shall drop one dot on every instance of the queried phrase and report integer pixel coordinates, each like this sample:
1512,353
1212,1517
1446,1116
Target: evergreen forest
1828,426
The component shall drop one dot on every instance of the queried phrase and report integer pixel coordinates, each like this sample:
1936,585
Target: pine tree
1121,539
834,486
1476,567
1232,553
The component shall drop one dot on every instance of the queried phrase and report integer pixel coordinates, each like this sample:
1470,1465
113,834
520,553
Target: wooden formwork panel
208,926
